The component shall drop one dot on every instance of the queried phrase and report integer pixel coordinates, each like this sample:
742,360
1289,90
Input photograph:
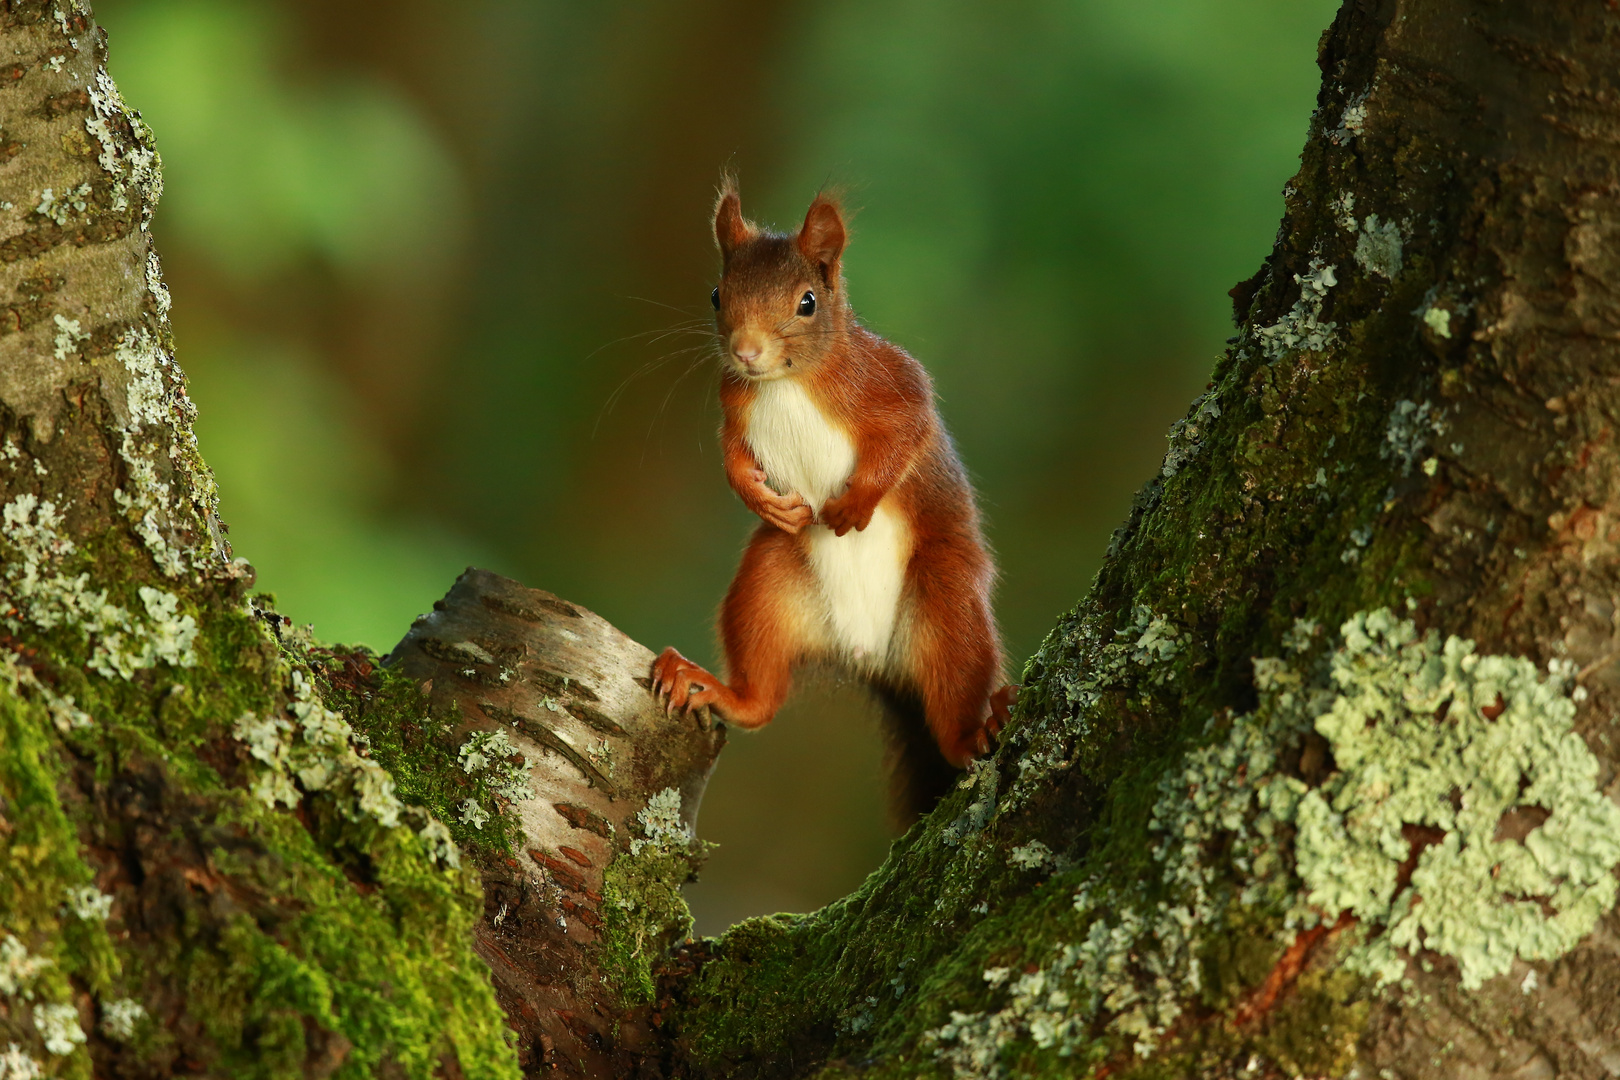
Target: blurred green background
423,256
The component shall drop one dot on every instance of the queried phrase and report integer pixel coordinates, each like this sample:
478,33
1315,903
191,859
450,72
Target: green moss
418,748
329,932
1315,1028
642,911
760,991
1237,961
44,950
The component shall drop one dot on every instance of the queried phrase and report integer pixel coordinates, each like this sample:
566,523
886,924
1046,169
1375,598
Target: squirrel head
780,307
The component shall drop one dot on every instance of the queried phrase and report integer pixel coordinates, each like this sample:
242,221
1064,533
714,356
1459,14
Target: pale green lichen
1302,327
89,903
66,27
1378,247
19,968
1430,733
1406,435
1031,856
59,1026
1157,645
660,821
642,907
1423,732
68,336
1301,636
492,755
159,412
1344,205
16,1065
155,285
984,781
1148,650
155,404
472,814
48,598
121,1017
64,710
317,751
130,164
1438,319
602,755
147,396
1186,435
130,644
436,839
263,736
62,208
1038,1006
1353,121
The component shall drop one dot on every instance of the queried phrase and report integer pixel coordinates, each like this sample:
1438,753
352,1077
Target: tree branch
573,925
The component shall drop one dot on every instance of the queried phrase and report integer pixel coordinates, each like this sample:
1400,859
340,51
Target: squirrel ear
730,230
822,238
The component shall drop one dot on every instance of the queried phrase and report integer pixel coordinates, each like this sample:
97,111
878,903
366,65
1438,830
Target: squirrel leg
765,625
955,654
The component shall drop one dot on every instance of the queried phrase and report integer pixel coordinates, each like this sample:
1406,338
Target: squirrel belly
860,576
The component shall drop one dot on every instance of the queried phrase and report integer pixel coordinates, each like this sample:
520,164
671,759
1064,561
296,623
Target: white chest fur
795,443
859,575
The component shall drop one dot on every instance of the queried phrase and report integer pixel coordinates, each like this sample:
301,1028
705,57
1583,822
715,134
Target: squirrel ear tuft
731,231
823,237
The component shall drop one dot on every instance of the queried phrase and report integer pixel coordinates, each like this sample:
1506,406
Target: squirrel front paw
852,509
789,512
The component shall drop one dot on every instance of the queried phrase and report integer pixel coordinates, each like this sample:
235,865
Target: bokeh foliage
422,255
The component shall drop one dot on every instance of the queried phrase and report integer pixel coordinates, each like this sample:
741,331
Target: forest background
462,317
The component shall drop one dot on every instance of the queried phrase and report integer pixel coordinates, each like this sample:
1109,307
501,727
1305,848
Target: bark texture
1317,780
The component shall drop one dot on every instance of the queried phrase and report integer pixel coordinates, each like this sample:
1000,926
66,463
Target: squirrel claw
680,685
1001,703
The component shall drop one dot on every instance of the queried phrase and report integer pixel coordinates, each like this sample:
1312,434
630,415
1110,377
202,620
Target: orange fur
943,652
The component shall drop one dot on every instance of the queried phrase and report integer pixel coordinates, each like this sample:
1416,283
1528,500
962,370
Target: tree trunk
1317,780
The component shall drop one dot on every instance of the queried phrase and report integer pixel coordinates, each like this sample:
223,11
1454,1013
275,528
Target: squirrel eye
807,303
714,298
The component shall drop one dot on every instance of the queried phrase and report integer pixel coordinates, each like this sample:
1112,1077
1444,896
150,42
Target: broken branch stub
606,793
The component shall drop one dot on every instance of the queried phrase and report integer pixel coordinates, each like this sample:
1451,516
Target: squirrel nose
746,348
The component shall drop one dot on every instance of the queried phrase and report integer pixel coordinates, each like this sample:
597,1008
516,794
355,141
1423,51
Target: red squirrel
869,553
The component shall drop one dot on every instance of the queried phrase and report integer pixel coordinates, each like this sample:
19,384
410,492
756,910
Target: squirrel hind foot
680,685
1001,703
